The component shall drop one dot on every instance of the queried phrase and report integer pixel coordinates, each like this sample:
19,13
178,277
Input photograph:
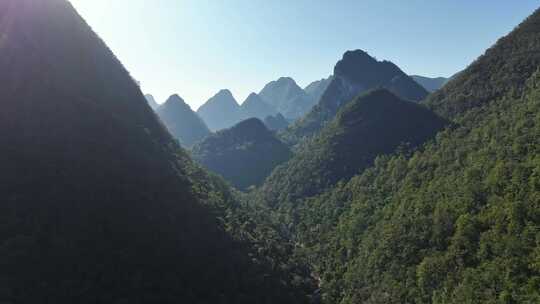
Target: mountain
276,122
244,154
356,72
221,111
287,97
430,84
374,123
151,101
316,89
181,121
255,107
99,204
456,220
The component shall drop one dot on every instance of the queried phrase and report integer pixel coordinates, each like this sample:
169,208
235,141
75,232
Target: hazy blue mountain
151,101
181,121
244,154
355,73
221,111
255,106
286,97
276,123
316,89
430,84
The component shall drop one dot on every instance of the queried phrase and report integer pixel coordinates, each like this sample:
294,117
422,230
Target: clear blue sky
194,48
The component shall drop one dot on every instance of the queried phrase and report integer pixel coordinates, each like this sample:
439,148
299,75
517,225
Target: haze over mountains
379,192
184,124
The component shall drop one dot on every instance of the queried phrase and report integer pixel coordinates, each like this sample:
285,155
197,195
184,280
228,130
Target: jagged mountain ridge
430,84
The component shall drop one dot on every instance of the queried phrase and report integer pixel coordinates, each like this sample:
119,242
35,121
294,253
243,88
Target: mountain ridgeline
184,124
244,154
99,204
355,73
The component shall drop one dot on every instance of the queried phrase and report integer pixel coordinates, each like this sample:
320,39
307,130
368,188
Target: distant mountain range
221,111
181,121
282,96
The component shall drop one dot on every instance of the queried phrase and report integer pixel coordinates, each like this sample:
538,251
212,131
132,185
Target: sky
195,48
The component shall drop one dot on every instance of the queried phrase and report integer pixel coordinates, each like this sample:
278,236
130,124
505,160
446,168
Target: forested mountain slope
98,203
374,123
244,154
456,221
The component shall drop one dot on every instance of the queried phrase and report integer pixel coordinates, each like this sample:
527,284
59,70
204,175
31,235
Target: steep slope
181,121
151,101
316,89
457,221
430,84
99,205
244,154
276,122
503,68
356,72
221,111
255,107
286,97
374,123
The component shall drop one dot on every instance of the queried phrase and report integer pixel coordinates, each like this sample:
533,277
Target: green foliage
374,123
458,222
244,154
